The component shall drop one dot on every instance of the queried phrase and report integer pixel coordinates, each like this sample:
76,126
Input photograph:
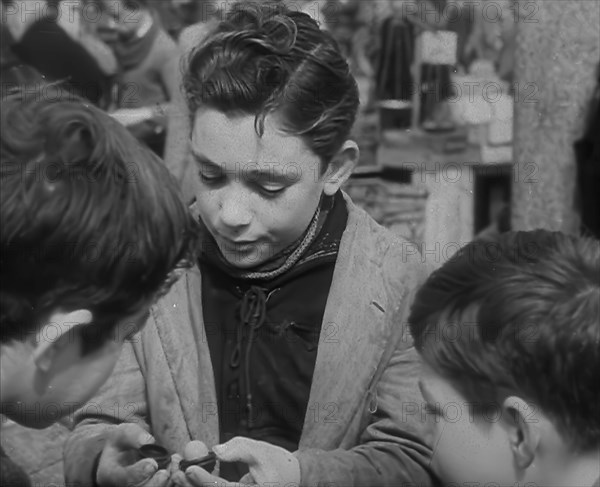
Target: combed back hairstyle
519,315
90,219
267,59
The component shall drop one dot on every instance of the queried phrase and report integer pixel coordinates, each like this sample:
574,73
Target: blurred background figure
492,40
40,39
148,61
13,72
80,19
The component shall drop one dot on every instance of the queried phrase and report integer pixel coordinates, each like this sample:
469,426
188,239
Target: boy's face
119,18
42,397
256,195
468,447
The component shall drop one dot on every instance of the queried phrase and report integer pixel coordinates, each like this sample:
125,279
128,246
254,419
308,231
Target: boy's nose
235,211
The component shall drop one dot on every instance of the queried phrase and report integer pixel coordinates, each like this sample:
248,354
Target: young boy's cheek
463,454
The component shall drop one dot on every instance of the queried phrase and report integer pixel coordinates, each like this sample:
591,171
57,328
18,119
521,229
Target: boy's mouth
237,245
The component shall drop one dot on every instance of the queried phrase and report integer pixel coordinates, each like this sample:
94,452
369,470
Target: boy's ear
523,431
341,167
56,333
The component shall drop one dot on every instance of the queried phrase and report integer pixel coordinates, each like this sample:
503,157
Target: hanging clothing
587,154
396,56
394,78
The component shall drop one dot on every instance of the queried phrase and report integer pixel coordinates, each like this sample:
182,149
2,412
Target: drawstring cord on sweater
253,310
253,314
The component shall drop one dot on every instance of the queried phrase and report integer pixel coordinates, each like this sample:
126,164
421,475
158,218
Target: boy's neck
582,470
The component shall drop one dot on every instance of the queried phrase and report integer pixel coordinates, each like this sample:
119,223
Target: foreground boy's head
509,332
93,231
272,102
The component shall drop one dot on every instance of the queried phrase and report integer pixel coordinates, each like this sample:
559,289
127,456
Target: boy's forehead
228,140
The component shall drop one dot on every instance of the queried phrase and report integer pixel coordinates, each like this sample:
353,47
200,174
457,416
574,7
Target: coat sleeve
394,446
121,400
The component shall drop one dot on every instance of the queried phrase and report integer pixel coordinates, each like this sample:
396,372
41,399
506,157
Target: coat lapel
184,342
352,338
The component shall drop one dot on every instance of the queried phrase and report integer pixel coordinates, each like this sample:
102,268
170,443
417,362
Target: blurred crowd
124,55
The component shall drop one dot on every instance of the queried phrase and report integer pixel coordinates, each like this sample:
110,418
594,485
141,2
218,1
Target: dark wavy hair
519,314
267,59
90,218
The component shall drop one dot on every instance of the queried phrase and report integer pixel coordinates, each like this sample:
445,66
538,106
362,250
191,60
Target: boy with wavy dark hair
93,232
509,331
290,349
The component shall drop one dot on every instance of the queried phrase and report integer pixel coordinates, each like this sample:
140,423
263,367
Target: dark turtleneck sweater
263,338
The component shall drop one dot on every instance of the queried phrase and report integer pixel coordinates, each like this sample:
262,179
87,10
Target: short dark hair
519,314
266,58
90,218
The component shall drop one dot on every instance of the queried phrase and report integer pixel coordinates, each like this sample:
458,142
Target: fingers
198,477
239,449
247,479
195,449
160,479
119,463
129,435
112,474
267,463
178,479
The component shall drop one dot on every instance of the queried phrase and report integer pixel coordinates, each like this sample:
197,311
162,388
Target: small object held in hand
158,453
207,463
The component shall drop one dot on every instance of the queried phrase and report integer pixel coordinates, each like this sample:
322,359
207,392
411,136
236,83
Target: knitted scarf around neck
276,265
131,51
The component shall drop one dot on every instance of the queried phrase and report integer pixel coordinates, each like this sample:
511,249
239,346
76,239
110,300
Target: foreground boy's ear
341,167
56,333
523,431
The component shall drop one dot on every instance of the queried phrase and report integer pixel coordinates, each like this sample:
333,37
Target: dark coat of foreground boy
93,232
509,331
286,349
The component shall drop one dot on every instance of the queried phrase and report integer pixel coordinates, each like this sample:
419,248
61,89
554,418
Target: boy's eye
211,177
272,190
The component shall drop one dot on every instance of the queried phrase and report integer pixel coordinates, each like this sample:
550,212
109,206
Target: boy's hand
119,462
193,450
268,464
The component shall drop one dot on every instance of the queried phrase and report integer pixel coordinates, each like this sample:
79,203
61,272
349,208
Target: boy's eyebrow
202,159
270,173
